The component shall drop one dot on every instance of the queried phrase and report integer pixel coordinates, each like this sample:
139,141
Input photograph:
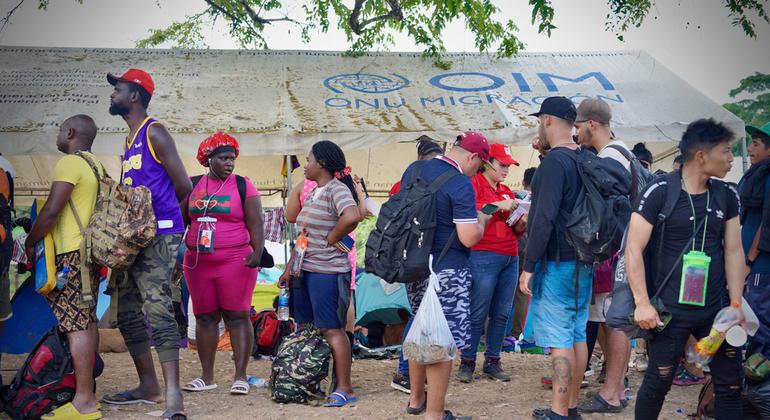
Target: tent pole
744,154
287,245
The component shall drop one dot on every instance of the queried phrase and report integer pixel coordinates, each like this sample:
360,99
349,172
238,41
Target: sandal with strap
174,415
198,385
239,388
340,399
69,412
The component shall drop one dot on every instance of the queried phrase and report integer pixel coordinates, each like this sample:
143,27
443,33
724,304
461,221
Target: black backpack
266,260
46,381
399,249
594,228
640,176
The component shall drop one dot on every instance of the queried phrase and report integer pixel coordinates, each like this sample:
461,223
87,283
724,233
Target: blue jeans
494,278
403,364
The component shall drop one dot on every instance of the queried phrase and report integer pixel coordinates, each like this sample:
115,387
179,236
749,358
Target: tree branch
357,27
7,19
263,21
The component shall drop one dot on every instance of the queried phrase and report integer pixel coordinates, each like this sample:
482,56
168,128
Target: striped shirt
318,217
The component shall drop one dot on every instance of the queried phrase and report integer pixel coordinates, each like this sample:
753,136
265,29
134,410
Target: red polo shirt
498,236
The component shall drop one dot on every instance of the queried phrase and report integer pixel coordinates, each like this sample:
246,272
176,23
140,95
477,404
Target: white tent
280,102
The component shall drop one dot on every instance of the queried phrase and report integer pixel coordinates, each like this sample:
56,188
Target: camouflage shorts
146,291
65,302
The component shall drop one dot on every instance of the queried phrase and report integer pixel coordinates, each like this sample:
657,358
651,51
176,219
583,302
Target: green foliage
372,24
365,227
754,110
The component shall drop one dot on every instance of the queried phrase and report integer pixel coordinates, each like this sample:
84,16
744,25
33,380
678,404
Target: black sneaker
493,370
401,383
465,373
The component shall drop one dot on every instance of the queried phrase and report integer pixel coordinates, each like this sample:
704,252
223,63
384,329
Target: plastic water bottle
282,313
62,277
258,382
704,350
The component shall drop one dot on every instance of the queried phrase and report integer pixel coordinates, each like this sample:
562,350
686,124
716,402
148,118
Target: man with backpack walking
559,284
74,189
150,159
692,222
593,129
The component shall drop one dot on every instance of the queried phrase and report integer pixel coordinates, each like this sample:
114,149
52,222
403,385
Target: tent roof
280,102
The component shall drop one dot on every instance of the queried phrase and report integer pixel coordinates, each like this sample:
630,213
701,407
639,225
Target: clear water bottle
62,277
704,350
283,305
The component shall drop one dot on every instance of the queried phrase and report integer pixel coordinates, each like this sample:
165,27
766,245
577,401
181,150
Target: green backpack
301,363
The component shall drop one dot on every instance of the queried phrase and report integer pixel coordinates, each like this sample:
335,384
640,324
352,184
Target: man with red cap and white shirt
459,227
150,159
494,264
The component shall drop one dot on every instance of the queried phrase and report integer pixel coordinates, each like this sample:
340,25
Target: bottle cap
736,336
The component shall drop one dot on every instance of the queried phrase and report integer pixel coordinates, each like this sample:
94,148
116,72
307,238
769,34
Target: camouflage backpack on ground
300,365
123,222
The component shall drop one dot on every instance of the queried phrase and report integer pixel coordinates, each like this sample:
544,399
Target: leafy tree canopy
754,109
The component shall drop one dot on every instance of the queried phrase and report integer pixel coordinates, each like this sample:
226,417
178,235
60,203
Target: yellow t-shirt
75,170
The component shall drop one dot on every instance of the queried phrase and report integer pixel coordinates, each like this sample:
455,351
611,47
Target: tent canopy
281,102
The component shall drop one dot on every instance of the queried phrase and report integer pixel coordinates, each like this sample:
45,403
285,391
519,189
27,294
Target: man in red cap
150,159
459,226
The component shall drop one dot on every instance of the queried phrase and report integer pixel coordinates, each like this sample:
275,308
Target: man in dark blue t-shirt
455,211
755,217
560,286
703,221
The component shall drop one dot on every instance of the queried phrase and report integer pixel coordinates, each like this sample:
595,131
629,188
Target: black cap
559,107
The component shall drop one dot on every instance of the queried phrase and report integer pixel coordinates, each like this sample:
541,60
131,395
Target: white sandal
240,388
197,385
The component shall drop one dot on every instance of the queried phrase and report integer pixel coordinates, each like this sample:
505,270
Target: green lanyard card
695,277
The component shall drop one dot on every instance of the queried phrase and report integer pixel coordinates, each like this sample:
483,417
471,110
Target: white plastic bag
429,339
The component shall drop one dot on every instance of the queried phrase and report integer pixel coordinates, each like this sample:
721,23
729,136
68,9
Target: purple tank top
141,167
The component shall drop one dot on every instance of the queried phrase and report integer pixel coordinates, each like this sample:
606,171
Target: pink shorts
220,280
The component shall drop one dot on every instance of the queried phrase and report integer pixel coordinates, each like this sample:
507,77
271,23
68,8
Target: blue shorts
321,299
556,320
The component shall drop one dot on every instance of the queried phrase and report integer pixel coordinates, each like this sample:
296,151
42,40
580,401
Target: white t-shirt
612,153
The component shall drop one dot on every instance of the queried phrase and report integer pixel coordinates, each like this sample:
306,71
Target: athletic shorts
558,318
455,297
321,299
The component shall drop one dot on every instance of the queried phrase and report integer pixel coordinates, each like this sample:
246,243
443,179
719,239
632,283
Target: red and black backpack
268,332
46,381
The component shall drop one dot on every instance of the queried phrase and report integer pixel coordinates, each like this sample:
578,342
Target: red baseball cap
502,154
475,143
136,76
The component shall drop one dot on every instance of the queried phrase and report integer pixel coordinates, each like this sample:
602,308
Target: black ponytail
332,159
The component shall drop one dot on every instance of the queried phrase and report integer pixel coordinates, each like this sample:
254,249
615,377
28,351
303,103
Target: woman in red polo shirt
494,266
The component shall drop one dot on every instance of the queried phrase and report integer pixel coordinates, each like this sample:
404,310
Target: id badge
206,235
695,277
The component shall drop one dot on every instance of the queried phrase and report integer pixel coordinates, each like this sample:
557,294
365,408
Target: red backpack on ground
268,332
46,381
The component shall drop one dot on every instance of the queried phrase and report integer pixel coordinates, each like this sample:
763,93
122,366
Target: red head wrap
211,144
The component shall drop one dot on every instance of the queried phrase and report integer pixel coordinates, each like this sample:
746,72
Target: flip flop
197,385
125,398
174,415
341,399
239,388
69,412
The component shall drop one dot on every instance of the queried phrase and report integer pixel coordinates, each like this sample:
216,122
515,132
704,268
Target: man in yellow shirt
73,179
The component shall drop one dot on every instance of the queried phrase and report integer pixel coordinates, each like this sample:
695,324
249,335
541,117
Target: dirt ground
484,399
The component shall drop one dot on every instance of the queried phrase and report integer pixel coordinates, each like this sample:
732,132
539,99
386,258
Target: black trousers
665,350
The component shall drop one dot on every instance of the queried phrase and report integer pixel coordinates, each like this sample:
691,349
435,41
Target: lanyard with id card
695,264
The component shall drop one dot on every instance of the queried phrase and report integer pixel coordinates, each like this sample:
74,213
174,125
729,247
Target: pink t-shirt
224,204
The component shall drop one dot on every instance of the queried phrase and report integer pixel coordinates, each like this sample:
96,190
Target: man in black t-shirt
705,149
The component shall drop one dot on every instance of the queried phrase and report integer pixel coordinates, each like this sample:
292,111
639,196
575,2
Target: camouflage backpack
123,222
300,365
